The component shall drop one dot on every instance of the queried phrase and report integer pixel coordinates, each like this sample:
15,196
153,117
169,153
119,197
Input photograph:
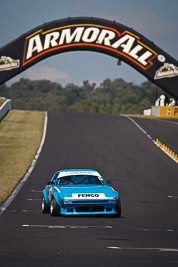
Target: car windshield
80,179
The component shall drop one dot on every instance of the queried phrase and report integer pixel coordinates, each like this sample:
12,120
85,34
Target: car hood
85,191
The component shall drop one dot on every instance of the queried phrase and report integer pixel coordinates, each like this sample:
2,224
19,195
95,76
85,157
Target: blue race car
80,192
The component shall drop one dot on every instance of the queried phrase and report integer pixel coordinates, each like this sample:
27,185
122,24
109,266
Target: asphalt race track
146,178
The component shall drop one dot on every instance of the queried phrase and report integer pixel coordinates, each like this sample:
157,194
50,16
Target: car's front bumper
88,207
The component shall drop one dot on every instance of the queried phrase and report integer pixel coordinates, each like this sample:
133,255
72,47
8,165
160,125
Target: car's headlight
67,202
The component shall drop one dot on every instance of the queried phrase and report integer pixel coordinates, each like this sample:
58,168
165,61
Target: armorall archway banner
90,34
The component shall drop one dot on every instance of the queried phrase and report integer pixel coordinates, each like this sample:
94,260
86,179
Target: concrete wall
147,112
4,109
155,111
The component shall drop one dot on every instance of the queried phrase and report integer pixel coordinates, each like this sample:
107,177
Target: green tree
114,97
116,108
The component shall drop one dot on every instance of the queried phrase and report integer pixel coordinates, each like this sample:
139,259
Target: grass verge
20,136
2,101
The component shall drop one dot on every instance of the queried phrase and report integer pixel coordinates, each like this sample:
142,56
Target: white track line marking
156,230
19,186
172,196
154,142
36,191
174,122
66,226
169,155
31,211
160,261
33,199
158,249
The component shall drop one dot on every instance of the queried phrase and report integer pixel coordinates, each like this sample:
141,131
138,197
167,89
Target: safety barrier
7,105
168,151
167,112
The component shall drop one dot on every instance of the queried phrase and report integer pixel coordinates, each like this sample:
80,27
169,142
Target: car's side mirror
108,182
49,183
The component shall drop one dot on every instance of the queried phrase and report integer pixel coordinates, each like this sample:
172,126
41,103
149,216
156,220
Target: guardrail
4,109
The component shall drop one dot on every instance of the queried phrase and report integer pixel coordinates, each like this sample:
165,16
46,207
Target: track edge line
154,142
29,171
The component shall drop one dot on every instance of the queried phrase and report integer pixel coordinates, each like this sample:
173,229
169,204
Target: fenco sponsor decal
88,195
166,71
7,63
125,43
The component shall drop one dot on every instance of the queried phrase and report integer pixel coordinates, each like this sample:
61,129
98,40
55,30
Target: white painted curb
7,105
29,171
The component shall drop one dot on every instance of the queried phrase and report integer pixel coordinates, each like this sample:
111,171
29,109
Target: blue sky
155,19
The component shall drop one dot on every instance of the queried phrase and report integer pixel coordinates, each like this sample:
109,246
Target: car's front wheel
54,208
44,206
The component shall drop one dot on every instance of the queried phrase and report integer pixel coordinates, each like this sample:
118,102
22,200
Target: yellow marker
100,178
